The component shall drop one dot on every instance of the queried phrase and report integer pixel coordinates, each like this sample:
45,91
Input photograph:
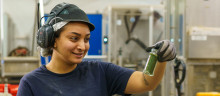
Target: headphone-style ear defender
45,34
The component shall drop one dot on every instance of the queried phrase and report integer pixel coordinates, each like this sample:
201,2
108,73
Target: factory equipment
19,66
15,58
203,60
202,46
128,30
116,30
203,38
196,35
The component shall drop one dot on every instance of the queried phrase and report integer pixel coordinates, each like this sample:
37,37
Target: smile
78,54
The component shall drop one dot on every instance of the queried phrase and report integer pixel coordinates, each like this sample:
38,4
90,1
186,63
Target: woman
67,75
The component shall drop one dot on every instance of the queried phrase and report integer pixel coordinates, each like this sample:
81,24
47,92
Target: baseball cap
69,12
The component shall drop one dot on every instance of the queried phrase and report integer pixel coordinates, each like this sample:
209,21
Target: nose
81,46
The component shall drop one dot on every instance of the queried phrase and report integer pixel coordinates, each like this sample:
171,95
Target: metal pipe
36,20
42,11
2,38
109,32
176,25
151,23
165,81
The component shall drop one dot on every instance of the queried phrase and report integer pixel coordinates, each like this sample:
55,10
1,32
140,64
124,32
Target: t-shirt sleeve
117,78
24,89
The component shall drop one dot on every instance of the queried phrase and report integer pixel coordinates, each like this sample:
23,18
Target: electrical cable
129,31
126,25
179,80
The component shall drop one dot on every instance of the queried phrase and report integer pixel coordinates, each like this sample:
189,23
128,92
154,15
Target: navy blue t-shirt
90,78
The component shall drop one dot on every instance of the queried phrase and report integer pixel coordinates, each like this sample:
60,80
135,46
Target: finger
168,50
169,55
164,46
173,55
172,58
174,52
158,45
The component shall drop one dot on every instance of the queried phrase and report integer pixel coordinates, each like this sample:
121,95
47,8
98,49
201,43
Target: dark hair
56,35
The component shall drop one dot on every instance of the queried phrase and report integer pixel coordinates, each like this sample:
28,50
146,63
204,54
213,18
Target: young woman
67,75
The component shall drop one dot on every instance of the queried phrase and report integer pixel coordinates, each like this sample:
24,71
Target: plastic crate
12,89
208,94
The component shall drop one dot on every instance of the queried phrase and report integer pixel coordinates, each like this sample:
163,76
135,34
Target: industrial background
193,26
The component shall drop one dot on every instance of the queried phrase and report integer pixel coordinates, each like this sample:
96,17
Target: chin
77,61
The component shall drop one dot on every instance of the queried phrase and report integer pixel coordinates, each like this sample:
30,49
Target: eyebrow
78,33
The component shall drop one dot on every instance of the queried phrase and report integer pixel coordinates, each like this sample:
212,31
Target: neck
59,66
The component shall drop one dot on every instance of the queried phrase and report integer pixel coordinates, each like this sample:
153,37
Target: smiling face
72,44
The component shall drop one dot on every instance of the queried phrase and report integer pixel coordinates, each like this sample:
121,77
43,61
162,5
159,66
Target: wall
205,14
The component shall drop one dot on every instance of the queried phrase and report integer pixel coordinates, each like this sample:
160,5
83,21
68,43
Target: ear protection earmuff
45,34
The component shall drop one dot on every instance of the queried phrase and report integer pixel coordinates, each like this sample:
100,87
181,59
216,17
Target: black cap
69,12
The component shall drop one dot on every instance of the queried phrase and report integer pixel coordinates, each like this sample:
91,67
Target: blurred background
121,26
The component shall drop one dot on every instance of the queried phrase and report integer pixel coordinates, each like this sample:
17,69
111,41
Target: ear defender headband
45,34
